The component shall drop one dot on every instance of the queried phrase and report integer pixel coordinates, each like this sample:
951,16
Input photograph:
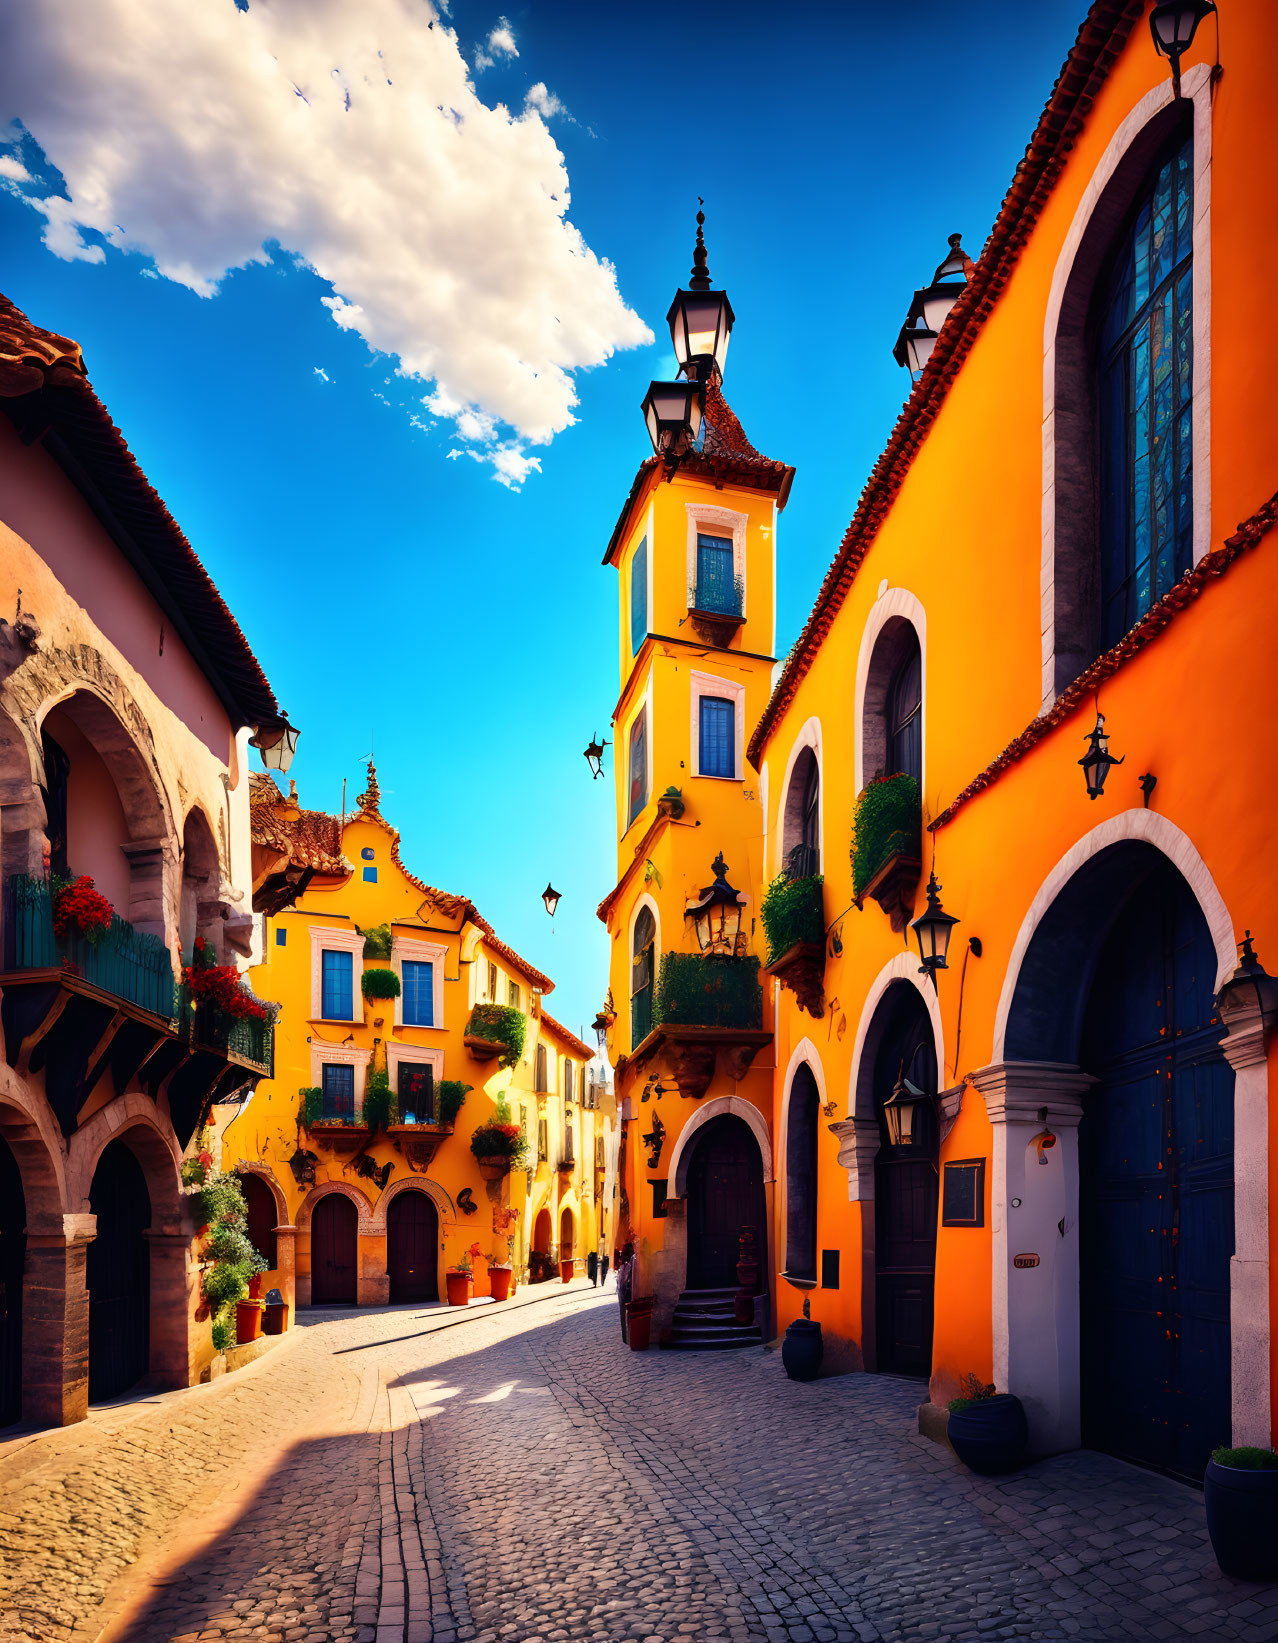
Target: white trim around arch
738,1107
809,736
411,1183
891,602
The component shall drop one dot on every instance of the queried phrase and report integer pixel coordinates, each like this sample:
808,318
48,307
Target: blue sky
399,596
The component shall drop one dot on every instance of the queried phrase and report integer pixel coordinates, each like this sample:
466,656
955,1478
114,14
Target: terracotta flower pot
458,1288
255,1287
499,1279
248,1321
639,1324
493,1169
566,1270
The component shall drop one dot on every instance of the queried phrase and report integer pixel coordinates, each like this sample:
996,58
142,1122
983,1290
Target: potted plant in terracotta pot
567,1267
1240,1493
987,1428
500,1276
460,1277
498,1145
671,803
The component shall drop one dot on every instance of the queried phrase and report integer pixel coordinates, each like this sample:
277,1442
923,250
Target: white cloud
322,374
544,101
196,135
501,43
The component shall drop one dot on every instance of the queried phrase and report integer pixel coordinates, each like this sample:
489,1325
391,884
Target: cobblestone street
518,1476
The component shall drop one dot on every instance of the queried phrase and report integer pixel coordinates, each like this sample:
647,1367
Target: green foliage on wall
450,1097
380,984
793,911
377,941
377,1098
499,1024
695,991
886,823
310,1105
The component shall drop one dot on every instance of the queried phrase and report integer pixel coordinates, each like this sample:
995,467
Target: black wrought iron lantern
672,411
932,930
551,898
1097,761
600,1024
900,1109
700,319
1173,24
716,914
594,758
276,743
930,308
916,340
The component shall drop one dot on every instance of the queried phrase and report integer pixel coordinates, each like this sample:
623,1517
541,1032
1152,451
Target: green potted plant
498,1145
377,1098
987,1428
1240,1494
496,1031
670,803
379,984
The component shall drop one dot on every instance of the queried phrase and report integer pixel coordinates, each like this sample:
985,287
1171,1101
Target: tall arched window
643,950
801,1176
801,822
904,721
1144,383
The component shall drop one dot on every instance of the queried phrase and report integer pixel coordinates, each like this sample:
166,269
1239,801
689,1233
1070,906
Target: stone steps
704,1320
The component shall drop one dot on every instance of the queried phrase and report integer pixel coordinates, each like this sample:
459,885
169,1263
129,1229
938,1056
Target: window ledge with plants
706,1010
496,1032
716,612
794,924
887,851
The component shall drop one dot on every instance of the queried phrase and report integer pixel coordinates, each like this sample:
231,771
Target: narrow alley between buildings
400,1476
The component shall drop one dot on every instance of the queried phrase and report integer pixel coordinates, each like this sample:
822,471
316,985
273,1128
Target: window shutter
336,984
418,994
718,737
638,764
716,586
639,597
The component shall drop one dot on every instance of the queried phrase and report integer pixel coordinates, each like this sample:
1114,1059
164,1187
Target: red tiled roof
1159,616
309,838
571,1039
1100,40
726,455
46,394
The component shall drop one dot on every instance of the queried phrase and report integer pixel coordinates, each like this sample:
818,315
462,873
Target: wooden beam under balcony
692,1053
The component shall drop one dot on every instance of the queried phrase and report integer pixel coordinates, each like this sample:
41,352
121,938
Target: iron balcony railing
317,1107
247,1040
801,863
718,598
640,1016
694,990
122,961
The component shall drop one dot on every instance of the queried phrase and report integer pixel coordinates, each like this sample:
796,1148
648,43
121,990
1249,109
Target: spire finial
370,801
699,280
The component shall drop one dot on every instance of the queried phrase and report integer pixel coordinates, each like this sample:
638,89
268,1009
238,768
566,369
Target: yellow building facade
356,1157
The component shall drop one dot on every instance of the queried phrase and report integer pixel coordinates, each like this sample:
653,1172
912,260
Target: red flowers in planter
78,907
218,985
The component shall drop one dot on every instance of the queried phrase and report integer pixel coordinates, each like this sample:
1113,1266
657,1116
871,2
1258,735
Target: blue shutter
718,737
336,986
716,588
339,1089
639,597
419,995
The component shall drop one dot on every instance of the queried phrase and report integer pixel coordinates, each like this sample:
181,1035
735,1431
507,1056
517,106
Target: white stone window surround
809,736
331,938
891,603
1196,89
709,520
419,952
713,684
344,1055
644,705
416,1055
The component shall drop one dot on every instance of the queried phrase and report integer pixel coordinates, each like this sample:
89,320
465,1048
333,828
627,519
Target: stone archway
371,1280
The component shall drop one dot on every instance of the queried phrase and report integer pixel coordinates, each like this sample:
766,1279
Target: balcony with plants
496,1032
705,1007
422,1114
793,914
716,602
887,851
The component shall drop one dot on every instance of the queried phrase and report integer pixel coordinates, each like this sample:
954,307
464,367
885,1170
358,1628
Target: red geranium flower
78,906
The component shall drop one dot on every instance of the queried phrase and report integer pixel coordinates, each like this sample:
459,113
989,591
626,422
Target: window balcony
333,1120
418,1129
707,1010
715,608
794,922
887,852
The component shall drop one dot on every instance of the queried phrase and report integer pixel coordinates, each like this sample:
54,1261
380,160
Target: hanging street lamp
276,743
700,319
929,309
1173,24
594,758
672,411
899,1111
716,914
551,898
932,930
1096,762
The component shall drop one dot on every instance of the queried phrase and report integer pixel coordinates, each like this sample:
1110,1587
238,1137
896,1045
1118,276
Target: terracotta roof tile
309,838
568,1038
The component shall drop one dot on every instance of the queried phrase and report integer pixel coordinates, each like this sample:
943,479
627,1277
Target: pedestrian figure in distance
625,1279
592,1267
603,1270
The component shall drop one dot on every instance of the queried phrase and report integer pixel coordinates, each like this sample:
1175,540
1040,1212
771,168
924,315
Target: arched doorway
540,1266
13,1251
334,1251
118,1274
262,1216
412,1244
1156,1188
905,1191
565,1236
801,1175
725,1195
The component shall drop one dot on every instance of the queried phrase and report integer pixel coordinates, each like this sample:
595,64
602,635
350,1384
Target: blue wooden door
1156,1190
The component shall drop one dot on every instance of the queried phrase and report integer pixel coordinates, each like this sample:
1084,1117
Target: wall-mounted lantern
932,930
930,308
594,758
700,319
672,411
901,1109
1098,760
1173,24
276,743
716,914
552,898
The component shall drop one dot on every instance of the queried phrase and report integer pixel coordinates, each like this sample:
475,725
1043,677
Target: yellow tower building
689,1025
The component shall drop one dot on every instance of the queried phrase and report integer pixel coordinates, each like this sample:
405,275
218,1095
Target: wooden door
334,1247
118,1274
725,1195
905,1195
262,1217
1156,1197
412,1244
13,1248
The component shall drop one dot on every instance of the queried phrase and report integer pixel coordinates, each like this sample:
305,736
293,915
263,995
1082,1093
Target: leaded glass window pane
336,972
718,736
716,586
419,994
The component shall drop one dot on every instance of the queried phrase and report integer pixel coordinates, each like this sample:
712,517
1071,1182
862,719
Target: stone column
55,1324
664,1272
858,1140
173,1352
286,1265
1034,1216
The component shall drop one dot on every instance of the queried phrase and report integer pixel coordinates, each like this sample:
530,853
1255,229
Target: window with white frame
637,765
420,968
716,559
337,962
718,726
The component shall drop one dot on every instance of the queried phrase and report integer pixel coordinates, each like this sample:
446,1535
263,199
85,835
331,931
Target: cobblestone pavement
521,1478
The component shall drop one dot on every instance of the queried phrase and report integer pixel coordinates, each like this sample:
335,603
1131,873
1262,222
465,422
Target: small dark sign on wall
658,1199
829,1269
963,1197
1023,1261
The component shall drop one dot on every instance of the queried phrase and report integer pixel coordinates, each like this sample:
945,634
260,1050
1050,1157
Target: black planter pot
802,1350
1242,1520
990,1436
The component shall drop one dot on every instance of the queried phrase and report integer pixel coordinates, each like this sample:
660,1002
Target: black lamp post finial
699,279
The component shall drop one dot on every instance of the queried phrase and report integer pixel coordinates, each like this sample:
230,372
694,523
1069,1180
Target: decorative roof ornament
699,279
370,800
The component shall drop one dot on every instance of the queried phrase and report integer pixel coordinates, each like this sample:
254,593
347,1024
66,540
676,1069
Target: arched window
801,848
1144,323
801,1176
904,720
643,950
